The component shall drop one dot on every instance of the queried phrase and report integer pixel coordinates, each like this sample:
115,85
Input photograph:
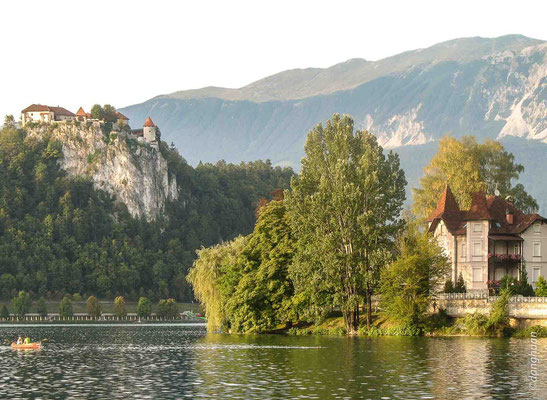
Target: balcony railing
504,258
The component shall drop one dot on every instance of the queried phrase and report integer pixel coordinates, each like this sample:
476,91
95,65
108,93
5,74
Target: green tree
449,286
524,288
460,285
144,307
42,307
344,208
168,309
409,283
263,297
9,122
109,113
541,287
213,277
65,308
498,320
94,308
97,112
4,313
468,167
21,304
119,307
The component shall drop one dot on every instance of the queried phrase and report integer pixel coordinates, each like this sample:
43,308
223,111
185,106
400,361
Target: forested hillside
59,235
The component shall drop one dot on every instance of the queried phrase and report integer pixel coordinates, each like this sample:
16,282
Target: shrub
475,324
449,286
539,332
498,321
541,287
144,307
4,314
93,307
65,308
119,307
21,303
460,285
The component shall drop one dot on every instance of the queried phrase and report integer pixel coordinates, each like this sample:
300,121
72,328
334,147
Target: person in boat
20,340
27,340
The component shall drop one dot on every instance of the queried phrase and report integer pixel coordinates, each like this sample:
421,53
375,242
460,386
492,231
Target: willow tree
344,209
468,166
213,278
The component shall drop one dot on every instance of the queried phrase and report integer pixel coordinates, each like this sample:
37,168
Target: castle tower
149,131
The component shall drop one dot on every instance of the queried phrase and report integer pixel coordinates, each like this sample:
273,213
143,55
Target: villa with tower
489,240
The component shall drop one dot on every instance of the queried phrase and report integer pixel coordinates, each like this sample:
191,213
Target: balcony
504,258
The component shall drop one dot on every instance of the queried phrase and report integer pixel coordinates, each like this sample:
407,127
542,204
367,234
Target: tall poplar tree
344,209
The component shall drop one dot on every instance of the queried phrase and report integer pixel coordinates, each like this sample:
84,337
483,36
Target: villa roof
121,116
40,107
483,207
149,122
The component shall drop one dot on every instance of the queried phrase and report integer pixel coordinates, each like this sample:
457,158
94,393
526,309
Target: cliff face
134,173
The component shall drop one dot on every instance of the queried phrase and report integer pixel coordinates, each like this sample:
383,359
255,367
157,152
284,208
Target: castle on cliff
51,115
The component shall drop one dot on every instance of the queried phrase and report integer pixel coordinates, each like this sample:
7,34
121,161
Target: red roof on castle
42,108
121,116
483,207
149,122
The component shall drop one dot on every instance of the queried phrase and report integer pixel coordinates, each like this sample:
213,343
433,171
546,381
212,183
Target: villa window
477,249
464,251
442,229
477,227
516,249
537,249
536,272
537,227
477,274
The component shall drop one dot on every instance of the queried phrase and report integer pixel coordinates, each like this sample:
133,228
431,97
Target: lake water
182,361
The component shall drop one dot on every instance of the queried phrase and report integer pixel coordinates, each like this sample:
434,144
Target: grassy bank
438,325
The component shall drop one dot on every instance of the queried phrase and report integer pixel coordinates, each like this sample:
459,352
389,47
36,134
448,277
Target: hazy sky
74,53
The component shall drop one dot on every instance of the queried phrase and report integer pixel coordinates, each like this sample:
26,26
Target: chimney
509,216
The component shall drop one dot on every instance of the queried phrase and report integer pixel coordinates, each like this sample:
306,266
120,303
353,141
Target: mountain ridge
490,88
462,49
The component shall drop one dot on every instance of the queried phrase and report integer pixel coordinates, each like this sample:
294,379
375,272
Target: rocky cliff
134,173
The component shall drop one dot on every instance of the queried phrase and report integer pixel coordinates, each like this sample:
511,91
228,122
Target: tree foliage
344,208
65,307
168,309
213,272
21,303
541,287
470,167
60,235
409,283
93,307
120,310
144,307
4,313
41,308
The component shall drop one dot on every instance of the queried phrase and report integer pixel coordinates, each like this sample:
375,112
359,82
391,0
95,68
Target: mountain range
488,87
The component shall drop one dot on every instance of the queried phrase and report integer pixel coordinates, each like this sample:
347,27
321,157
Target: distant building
490,240
148,133
122,119
42,113
81,115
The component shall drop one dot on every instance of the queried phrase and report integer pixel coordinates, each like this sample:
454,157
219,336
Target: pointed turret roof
447,205
149,122
81,112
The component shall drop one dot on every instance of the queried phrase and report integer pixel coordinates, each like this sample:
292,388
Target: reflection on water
174,361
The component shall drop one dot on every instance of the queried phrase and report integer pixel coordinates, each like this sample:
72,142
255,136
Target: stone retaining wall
526,310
